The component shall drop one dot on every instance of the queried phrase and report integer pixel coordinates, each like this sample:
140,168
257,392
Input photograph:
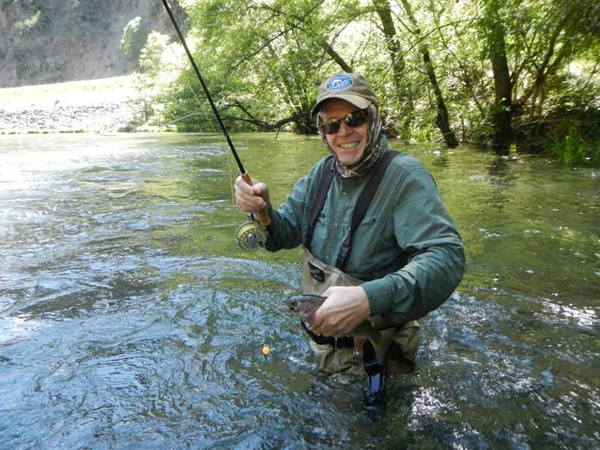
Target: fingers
325,324
251,198
344,309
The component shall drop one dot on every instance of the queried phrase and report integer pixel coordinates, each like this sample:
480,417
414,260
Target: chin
348,160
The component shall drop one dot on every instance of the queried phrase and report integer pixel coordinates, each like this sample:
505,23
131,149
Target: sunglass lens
356,119
332,127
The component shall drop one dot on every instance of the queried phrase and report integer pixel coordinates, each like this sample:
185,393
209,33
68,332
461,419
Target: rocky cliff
50,41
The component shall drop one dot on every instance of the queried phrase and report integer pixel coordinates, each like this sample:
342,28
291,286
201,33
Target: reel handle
262,216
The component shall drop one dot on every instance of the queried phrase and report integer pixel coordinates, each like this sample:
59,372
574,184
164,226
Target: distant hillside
54,41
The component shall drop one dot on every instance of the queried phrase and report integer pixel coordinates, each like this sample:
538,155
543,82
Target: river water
130,319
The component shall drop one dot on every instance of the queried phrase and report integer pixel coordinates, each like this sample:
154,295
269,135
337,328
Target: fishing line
204,88
200,112
250,235
206,116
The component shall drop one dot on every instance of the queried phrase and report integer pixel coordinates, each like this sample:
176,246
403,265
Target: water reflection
129,317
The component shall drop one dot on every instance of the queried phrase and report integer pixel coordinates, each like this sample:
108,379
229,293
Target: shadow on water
129,318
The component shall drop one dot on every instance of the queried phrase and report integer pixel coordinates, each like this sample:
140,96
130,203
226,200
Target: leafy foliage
502,70
134,39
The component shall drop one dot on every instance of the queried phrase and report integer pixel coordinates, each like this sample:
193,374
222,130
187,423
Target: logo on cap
339,83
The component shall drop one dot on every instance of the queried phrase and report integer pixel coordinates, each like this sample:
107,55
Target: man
402,260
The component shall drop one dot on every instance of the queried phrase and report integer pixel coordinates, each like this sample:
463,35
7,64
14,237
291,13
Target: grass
72,93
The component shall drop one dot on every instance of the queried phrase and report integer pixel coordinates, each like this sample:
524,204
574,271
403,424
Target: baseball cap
352,87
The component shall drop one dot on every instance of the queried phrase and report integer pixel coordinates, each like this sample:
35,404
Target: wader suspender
360,209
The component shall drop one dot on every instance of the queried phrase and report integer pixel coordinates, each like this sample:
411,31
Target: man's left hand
346,307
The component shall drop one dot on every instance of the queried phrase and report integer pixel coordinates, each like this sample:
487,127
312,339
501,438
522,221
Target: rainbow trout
305,306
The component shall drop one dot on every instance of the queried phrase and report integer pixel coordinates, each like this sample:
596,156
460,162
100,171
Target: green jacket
407,248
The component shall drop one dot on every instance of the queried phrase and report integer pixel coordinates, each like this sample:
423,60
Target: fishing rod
249,235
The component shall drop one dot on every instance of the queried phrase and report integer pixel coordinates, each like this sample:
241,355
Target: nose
344,128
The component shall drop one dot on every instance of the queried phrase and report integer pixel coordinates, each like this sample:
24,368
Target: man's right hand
345,308
251,198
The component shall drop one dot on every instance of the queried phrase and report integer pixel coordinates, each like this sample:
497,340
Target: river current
129,318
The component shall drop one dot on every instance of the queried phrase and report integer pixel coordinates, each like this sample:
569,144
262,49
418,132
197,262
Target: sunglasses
353,120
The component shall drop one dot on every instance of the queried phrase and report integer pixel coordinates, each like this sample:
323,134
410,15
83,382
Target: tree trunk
393,48
502,109
442,119
502,114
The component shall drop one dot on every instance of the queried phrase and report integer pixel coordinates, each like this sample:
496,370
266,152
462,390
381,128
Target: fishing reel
251,235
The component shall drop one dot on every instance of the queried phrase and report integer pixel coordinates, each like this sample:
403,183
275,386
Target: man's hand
251,198
346,307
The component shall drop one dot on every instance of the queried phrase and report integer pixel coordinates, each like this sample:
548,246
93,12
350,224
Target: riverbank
90,106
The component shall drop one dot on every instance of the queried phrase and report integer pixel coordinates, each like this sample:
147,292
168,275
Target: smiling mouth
349,145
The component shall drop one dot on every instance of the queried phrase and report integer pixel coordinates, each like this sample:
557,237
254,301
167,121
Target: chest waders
352,354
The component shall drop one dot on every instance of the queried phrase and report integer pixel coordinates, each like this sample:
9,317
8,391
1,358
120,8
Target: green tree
501,109
135,36
442,117
506,70
399,73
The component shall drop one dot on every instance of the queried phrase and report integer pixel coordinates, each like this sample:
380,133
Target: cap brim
356,100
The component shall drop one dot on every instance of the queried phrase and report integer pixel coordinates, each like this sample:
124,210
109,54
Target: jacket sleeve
423,229
289,221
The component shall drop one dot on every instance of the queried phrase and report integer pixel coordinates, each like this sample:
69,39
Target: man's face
348,143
